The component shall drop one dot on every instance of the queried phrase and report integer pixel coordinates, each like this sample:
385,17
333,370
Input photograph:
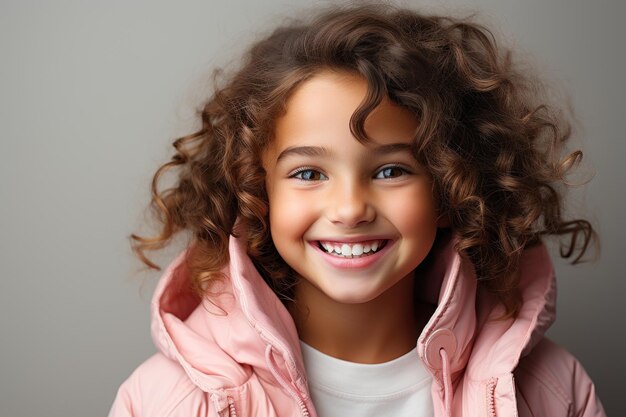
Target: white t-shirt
398,388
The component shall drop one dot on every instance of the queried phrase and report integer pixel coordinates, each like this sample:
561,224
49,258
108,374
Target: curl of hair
493,148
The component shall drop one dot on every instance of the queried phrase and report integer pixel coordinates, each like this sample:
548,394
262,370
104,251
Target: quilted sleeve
551,382
160,388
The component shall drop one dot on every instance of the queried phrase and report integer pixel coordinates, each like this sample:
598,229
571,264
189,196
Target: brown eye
391,172
309,175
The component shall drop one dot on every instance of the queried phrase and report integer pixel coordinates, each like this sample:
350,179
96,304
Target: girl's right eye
308,174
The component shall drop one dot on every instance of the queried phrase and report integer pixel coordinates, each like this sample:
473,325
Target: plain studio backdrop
91,96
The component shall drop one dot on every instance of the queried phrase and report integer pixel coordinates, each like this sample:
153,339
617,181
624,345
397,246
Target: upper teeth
351,249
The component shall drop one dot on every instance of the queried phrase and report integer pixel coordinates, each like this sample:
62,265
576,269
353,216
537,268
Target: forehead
322,106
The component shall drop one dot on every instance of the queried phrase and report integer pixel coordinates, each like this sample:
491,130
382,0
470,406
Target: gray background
91,95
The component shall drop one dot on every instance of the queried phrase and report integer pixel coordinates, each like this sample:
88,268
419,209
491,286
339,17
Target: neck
377,331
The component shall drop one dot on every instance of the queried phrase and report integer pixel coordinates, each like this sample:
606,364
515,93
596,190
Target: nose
351,205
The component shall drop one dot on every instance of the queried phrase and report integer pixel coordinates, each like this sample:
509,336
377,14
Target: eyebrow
303,151
322,151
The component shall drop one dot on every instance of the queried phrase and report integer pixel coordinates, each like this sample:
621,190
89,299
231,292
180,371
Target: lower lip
353,263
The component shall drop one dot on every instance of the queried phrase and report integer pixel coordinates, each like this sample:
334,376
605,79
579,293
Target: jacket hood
219,342
220,338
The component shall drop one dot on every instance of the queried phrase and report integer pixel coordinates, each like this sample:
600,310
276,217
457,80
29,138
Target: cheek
290,216
418,215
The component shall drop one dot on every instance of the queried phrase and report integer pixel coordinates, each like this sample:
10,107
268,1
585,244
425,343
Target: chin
352,295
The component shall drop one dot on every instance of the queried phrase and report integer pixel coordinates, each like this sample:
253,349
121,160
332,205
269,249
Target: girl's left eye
393,171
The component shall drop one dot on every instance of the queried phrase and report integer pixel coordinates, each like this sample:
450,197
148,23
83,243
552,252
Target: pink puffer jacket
240,355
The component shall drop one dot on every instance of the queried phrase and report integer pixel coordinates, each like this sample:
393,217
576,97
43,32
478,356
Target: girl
367,197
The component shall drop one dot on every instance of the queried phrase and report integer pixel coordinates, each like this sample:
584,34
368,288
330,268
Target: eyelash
297,174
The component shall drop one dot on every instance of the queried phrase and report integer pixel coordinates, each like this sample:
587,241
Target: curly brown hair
491,144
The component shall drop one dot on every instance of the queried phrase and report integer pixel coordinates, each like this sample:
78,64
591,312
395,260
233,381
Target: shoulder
156,388
551,381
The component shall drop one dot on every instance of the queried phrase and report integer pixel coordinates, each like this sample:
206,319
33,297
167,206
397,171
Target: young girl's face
351,219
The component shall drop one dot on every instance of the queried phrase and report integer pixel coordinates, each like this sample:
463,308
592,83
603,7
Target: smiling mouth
352,250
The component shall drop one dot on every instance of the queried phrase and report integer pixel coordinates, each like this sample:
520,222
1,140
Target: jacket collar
218,343
468,320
